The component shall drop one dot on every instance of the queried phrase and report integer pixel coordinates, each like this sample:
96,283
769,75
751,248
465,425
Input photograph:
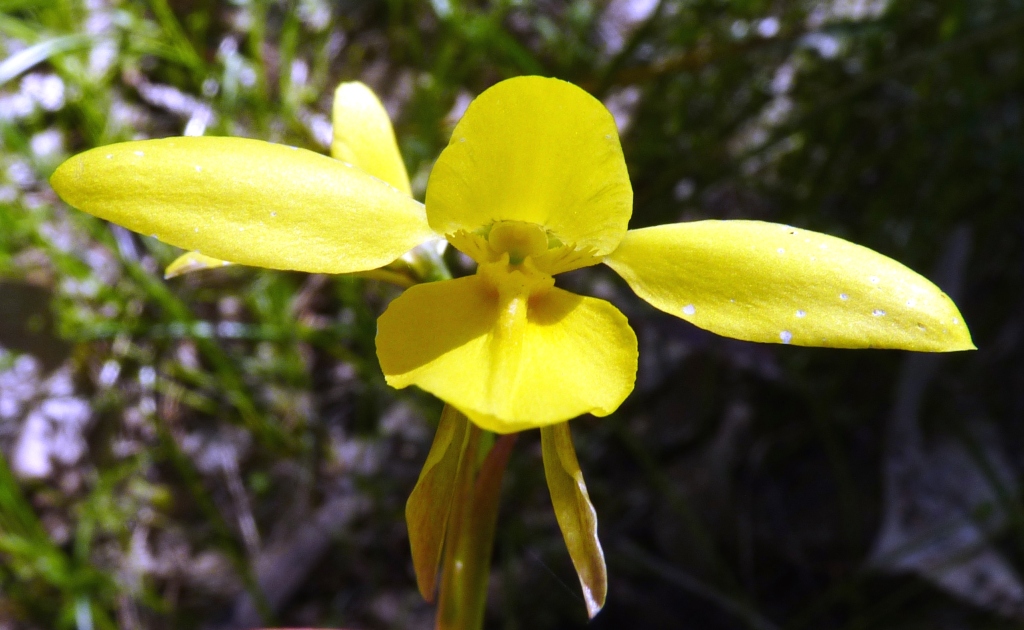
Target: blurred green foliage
242,459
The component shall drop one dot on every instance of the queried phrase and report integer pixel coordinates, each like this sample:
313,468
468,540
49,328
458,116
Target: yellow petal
192,261
363,135
247,201
428,507
774,283
566,356
575,513
537,150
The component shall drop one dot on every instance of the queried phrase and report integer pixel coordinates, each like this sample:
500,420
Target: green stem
470,536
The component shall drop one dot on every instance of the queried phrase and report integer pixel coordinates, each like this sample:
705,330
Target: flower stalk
454,507
470,539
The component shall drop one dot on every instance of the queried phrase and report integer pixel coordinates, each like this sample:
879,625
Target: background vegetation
220,449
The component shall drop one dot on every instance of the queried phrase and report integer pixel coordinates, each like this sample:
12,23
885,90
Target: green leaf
575,514
38,53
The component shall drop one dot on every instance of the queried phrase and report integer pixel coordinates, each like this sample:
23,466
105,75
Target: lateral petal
246,201
773,283
537,150
364,137
567,356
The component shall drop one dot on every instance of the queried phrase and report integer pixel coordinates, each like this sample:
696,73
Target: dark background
168,446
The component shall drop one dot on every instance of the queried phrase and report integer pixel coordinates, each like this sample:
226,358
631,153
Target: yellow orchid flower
533,183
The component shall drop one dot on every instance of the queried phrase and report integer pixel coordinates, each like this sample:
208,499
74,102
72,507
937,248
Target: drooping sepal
430,504
575,513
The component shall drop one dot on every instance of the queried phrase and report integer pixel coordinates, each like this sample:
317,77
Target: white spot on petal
801,313
786,336
139,153
873,279
781,250
878,312
199,169
956,321
109,156
689,309
844,297
911,303
273,213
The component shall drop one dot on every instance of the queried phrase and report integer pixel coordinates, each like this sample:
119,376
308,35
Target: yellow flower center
509,268
515,265
518,239
523,246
